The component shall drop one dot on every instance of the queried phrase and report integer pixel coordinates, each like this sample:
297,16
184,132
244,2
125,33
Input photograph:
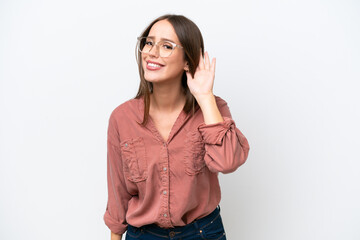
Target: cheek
143,63
177,64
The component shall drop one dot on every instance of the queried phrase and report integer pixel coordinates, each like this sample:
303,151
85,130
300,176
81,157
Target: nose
154,51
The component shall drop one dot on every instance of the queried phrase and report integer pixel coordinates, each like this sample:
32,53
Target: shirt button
164,168
164,192
126,144
164,144
165,215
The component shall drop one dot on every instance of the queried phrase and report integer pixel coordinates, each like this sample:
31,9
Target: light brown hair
192,42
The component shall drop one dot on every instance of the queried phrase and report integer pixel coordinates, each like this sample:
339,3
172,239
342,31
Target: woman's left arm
226,147
201,85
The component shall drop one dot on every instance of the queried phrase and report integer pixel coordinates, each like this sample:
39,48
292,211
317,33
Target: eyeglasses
164,47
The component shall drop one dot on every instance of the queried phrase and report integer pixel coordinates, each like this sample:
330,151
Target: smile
153,66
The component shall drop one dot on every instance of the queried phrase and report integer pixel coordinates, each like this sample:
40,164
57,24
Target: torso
164,122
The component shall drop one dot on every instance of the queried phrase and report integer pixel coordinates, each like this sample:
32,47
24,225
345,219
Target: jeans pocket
134,159
194,153
133,233
214,230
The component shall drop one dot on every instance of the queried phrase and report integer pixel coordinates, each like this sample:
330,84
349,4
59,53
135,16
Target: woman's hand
201,87
202,83
115,236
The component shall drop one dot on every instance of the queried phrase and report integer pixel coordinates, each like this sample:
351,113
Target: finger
207,61
213,64
201,61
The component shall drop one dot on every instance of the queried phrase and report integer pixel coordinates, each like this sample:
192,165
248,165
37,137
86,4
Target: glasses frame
156,44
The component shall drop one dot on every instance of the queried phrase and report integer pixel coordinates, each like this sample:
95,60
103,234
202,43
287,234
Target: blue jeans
209,228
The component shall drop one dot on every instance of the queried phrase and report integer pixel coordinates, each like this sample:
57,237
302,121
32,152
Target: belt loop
196,225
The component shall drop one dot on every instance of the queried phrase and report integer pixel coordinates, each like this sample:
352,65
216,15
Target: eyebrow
166,39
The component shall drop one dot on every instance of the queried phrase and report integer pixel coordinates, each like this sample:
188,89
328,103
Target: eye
167,46
148,42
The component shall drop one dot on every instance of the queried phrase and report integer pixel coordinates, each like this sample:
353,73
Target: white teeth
153,65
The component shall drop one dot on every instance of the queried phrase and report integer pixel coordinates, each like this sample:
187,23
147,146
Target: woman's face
166,68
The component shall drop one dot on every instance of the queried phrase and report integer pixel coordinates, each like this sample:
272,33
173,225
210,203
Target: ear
186,67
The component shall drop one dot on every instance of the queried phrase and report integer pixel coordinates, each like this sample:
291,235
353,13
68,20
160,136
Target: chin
157,77
152,77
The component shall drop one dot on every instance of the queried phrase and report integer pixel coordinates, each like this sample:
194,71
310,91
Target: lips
151,65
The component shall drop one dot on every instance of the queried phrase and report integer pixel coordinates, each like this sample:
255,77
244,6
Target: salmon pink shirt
168,183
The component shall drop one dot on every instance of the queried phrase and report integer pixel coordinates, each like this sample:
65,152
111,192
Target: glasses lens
166,48
145,45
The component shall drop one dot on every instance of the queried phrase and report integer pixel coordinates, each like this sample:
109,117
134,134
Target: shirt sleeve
226,147
118,195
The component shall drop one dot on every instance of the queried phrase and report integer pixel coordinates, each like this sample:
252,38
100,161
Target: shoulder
220,102
223,106
128,109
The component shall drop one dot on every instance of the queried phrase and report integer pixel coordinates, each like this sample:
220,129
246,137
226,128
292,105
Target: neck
167,97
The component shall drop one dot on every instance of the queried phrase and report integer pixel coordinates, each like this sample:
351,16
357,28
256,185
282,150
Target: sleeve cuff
214,133
115,226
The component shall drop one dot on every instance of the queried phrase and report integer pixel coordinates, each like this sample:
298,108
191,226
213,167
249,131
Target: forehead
163,30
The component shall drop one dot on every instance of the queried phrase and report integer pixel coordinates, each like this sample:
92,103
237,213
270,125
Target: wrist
205,98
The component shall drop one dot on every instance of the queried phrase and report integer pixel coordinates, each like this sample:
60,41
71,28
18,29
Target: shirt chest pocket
134,159
194,153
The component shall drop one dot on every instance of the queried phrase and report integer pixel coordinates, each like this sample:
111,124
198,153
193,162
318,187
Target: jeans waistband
193,226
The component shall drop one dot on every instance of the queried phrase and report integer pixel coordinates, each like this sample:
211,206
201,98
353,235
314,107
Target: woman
168,144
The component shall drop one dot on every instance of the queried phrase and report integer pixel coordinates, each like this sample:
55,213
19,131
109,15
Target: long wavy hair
191,39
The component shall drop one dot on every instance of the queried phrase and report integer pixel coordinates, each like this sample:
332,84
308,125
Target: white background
289,71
